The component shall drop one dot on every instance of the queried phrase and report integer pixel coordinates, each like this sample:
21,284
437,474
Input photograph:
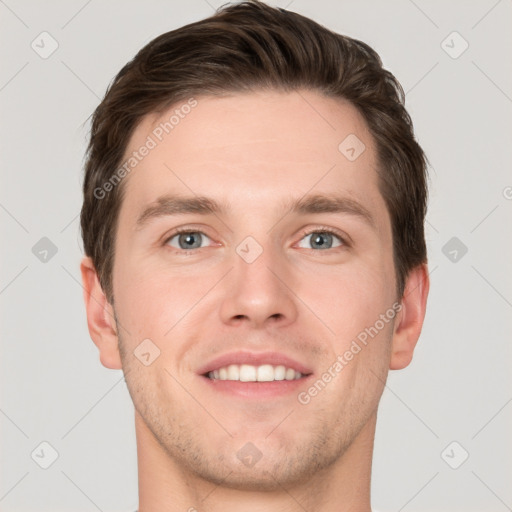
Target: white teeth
265,373
233,372
247,373
279,372
290,374
250,373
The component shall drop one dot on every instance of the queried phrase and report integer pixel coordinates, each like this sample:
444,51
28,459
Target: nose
259,292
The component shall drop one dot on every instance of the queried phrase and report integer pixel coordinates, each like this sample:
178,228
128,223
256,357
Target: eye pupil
188,239
316,239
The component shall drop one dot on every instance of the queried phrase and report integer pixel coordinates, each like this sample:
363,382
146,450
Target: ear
100,317
409,320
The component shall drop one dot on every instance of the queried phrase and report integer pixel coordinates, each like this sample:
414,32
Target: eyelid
343,237
181,230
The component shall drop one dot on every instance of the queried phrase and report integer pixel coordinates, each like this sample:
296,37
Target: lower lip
270,389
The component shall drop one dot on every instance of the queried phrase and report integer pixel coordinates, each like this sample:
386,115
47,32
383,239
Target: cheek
352,303
348,298
154,301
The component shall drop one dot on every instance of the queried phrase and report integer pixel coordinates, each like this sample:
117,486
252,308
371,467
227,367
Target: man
254,201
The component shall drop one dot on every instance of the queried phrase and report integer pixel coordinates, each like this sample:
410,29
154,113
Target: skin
252,151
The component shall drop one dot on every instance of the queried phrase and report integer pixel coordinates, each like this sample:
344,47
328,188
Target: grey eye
187,240
321,240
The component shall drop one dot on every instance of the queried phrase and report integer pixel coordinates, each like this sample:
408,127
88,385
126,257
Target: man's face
257,279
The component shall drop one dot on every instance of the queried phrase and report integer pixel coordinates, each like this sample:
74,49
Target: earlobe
409,322
100,317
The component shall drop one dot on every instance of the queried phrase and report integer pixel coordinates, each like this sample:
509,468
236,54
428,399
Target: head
245,116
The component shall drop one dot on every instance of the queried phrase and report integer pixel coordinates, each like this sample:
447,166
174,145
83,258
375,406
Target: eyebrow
169,205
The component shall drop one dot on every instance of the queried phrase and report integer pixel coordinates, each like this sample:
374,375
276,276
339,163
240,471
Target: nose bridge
256,289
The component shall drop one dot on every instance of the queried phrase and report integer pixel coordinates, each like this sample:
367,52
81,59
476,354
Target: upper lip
255,359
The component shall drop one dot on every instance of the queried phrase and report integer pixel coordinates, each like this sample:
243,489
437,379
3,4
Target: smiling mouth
252,373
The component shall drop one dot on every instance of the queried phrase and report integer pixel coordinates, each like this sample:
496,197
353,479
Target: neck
164,485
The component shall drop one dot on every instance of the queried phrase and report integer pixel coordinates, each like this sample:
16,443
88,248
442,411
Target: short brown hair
246,47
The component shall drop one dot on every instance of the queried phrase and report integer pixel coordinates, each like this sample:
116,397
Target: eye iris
316,238
188,239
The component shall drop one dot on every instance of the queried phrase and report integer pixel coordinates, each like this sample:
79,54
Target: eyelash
321,229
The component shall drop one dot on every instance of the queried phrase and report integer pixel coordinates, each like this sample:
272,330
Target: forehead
251,149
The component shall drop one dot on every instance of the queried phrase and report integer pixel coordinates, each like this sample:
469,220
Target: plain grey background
453,402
